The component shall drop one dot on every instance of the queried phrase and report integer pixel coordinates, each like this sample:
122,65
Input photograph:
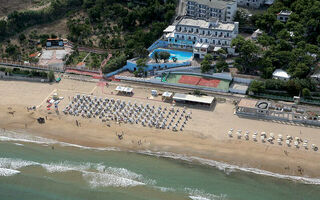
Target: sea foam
96,174
8,172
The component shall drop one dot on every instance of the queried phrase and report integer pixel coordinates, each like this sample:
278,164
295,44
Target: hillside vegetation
292,46
125,28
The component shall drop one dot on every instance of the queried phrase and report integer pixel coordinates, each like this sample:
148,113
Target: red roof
32,55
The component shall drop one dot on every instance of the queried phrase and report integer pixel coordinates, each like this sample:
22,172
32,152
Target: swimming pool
180,55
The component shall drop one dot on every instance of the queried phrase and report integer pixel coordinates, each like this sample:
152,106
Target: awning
193,98
119,88
128,90
167,94
216,49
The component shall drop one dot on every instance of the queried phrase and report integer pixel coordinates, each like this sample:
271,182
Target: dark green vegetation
292,46
28,73
125,28
19,21
220,65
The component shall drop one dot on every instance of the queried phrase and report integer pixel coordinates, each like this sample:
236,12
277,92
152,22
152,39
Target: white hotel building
201,36
224,10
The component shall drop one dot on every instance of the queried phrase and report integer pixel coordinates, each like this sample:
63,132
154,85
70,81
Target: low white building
224,10
199,35
281,75
284,15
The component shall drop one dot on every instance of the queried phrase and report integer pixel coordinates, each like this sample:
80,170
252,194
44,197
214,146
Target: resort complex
160,99
201,36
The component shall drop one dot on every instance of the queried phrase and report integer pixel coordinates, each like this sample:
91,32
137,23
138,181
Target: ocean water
37,168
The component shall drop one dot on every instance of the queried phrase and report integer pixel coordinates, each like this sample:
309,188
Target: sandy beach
205,135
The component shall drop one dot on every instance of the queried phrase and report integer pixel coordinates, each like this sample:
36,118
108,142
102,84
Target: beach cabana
167,96
124,90
119,88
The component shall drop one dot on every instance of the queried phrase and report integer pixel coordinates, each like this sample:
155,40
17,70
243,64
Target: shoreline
205,136
227,168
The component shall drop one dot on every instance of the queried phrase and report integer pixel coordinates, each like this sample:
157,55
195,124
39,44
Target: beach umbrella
279,141
246,135
239,134
254,137
272,135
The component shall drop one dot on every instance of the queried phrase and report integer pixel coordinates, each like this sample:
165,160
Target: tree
51,76
257,87
222,66
205,66
156,56
141,62
248,51
300,70
22,37
208,57
164,55
306,92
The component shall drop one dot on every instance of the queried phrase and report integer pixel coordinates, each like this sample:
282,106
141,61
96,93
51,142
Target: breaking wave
8,172
96,174
196,194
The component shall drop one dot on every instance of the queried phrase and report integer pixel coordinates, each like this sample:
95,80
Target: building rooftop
220,4
169,29
281,74
193,98
247,103
229,26
285,12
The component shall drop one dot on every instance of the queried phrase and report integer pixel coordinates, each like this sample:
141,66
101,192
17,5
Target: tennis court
191,80
198,81
209,82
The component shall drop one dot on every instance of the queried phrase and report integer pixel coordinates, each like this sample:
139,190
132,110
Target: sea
35,168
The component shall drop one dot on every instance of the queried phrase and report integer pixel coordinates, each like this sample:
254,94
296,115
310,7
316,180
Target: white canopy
124,89
279,73
167,94
193,98
119,88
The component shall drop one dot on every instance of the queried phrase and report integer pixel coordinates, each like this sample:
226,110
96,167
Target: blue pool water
180,55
